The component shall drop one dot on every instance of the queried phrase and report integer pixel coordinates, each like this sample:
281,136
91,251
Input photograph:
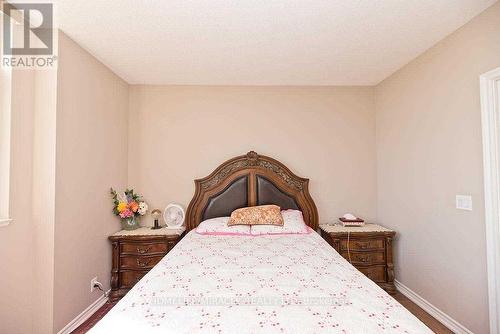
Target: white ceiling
260,42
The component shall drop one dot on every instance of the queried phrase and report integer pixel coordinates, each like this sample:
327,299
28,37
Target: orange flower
122,206
133,206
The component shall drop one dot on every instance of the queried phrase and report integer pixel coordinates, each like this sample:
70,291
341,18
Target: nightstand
135,252
368,248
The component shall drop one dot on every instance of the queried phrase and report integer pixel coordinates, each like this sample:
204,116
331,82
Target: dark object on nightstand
134,253
368,248
156,216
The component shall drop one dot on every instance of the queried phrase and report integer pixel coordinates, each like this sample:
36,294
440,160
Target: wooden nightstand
135,253
368,248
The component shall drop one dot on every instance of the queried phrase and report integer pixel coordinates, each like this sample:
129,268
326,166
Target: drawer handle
143,264
364,259
143,250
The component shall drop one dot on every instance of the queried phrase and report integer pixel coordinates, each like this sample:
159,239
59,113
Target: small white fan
173,215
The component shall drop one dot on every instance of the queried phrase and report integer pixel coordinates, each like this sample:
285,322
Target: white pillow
218,226
293,224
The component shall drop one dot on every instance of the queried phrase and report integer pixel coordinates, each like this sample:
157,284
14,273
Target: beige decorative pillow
257,215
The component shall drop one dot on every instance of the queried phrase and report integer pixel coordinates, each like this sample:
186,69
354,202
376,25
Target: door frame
490,117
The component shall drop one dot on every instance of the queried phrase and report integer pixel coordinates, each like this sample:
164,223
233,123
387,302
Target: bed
255,284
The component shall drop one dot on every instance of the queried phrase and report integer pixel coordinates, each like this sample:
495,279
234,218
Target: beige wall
25,282
428,150
16,268
43,198
60,204
92,105
180,133
5,111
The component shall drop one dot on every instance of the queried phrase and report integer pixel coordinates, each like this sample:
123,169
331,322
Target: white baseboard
87,313
439,315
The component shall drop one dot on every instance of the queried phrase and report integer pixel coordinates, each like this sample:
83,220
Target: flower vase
131,223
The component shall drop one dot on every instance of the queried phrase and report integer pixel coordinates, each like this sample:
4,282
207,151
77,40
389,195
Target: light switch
464,202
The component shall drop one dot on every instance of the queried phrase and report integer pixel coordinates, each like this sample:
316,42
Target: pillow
257,215
293,224
218,226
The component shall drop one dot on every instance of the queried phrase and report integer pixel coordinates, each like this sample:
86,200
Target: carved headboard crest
252,159
249,180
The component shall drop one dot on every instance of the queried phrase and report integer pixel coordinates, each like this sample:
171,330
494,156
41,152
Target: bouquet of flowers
128,206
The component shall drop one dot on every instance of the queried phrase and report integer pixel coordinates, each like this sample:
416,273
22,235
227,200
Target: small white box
464,202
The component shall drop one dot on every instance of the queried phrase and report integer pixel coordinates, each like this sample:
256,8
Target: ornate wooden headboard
250,180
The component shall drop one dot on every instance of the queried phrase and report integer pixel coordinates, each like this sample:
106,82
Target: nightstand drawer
136,248
365,244
129,278
135,252
370,250
365,257
139,262
375,273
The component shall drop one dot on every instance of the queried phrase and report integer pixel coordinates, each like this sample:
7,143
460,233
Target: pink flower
126,213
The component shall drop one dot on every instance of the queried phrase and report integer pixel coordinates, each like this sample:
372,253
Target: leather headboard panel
233,197
268,193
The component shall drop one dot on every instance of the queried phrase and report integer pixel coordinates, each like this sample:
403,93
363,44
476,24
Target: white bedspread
264,284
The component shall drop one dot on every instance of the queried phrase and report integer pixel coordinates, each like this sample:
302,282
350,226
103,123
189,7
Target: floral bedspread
256,284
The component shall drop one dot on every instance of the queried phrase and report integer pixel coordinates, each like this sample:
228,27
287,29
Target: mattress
256,284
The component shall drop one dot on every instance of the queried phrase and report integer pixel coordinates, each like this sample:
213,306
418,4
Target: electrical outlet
93,283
